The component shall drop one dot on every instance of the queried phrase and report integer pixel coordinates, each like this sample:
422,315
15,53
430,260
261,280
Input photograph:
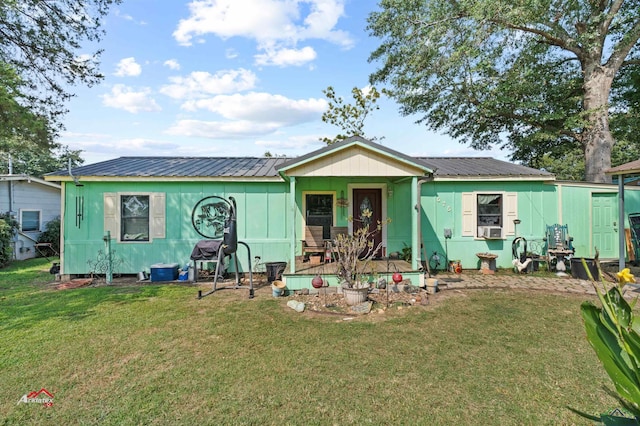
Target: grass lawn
154,354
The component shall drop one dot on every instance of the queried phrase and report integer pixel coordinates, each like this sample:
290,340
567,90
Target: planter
578,270
277,288
275,270
355,296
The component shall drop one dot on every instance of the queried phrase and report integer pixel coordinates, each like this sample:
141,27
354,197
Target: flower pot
277,288
355,296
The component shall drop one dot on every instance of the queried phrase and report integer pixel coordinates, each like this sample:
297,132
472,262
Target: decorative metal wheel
209,216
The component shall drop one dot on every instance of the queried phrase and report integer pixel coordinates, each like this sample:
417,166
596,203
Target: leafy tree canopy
349,117
27,157
40,42
533,77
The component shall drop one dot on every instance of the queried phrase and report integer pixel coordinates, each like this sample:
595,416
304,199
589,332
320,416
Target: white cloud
262,107
273,24
251,115
201,83
286,57
221,129
123,97
231,54
172,64
128,67
296,143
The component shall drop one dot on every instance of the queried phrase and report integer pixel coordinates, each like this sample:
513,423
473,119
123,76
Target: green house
455,207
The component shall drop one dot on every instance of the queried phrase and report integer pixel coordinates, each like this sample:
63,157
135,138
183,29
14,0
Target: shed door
368,200
604,226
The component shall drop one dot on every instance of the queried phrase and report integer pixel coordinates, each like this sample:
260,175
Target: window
30,220
489,215
489,209
319,212
135,217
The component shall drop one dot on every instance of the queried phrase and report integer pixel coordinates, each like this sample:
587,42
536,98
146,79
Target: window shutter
510,212
111,213
468,214
158,222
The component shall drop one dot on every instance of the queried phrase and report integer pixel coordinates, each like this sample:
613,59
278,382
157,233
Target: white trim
212,179
383,217
549,180
20,211
28,179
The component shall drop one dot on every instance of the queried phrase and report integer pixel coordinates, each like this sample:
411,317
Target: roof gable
355,156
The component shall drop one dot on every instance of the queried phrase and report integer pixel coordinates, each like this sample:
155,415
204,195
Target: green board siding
262,223
264,218
442,208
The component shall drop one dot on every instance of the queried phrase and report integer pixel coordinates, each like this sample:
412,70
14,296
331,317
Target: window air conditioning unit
491,232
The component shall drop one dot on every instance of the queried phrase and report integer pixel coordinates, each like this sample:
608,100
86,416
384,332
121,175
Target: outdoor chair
559,246
313,240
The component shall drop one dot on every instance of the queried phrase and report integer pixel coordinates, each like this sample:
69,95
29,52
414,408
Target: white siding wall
31,196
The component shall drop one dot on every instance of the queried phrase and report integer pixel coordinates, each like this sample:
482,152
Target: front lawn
154,354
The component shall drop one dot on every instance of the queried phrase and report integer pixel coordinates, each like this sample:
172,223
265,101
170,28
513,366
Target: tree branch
624,46
563,42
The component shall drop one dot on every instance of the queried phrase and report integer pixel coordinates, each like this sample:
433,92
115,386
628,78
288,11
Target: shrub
51,234
8,228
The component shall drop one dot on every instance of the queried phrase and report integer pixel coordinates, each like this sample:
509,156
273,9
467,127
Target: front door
604,213
367,212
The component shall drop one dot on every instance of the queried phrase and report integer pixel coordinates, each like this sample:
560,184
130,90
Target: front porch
381,268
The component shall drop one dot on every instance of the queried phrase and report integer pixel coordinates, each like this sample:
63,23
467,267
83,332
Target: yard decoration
353,254
614,333
317,281
214,217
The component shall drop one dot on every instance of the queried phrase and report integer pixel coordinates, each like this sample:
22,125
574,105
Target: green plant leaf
611,354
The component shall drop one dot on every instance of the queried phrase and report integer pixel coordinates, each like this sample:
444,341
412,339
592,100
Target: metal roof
179,167
480,167
625,169
253,167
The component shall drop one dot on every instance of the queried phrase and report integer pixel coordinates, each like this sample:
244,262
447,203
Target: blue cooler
164,272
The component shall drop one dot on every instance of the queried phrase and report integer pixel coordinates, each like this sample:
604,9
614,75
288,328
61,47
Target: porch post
621,236
292,240
415,214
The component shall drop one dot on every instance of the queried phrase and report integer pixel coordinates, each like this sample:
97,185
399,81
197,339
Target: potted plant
353,254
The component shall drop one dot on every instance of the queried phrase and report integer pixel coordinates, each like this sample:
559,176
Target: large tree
41,55
538,73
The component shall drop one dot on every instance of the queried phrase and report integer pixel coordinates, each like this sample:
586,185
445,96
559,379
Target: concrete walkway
568,284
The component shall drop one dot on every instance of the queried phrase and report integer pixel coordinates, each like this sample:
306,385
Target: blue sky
233,78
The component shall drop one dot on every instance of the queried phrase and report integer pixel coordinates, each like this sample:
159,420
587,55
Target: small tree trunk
597,140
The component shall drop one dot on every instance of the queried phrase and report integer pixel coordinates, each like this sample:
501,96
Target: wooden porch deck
381,266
